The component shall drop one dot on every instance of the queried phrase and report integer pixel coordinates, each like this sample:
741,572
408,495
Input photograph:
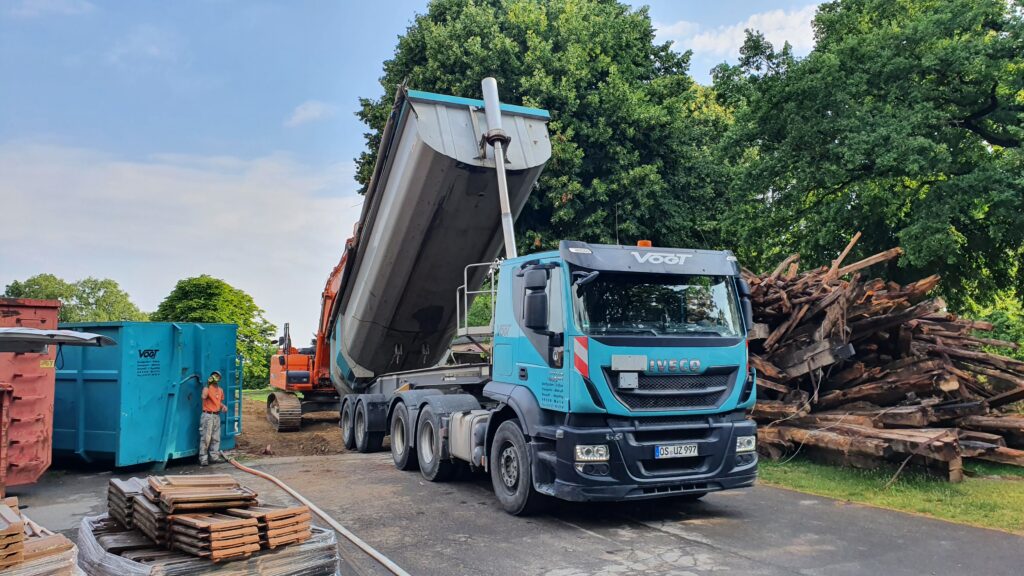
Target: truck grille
677,391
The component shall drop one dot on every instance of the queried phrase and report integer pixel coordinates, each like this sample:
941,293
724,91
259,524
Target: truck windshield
658,305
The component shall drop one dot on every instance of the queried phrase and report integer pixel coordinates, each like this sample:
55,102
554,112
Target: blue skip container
140,401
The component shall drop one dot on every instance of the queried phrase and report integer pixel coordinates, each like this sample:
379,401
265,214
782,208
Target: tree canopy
905,122
87,300
207,299
632,134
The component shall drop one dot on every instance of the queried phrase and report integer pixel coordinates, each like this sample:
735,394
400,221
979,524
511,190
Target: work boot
203,462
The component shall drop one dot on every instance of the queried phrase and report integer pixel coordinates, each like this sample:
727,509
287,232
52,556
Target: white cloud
309,111
270,226
778,26
146,43
680,29
34,8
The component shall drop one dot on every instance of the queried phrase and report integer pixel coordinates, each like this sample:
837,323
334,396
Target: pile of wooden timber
28,549
215,536
278,526
861,371
121,499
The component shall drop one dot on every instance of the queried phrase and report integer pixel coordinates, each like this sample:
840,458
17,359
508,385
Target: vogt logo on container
660,258
148,353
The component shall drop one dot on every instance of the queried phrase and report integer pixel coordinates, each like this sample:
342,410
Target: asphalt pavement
457,528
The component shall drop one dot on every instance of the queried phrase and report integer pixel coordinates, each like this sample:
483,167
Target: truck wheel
511,473
401,452
348,437
366,441
428,448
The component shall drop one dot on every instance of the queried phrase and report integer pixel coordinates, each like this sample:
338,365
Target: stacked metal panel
121,499
12,536
215,536
278,526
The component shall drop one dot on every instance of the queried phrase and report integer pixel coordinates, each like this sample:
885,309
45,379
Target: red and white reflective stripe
581,359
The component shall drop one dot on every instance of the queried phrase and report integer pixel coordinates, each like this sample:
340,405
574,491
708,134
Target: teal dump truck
612,373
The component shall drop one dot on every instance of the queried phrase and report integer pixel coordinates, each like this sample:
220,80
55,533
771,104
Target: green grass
992,496
257,394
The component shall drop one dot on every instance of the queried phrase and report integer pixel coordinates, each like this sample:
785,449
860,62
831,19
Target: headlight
746,443
591,452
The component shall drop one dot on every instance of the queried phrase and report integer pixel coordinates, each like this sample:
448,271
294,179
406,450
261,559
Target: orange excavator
305,371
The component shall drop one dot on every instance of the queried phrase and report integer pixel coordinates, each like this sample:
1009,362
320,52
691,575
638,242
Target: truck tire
403,454
366,441
348,436
428,447
511,471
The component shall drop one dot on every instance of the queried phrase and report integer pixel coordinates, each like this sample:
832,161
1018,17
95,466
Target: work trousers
209,437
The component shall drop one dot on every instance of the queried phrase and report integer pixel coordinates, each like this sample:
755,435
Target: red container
26,396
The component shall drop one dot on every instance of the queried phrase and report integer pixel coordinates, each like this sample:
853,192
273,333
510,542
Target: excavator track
284,411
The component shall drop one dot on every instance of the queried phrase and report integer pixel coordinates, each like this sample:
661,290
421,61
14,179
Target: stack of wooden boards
109,549
28,549
862,371
209,516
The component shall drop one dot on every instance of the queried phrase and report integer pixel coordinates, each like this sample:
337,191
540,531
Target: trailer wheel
428,448
366,441
403,454
347,431
511,471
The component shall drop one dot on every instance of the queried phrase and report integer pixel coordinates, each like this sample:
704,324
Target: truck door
541,316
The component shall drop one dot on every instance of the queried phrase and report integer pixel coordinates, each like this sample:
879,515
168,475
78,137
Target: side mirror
743,287
536,310
536,279
280,360
748,313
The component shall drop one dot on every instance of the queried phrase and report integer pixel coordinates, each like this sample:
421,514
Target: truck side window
556,304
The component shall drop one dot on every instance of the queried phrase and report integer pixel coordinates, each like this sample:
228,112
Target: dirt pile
319,434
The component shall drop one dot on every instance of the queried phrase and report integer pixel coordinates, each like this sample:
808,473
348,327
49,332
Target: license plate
675,451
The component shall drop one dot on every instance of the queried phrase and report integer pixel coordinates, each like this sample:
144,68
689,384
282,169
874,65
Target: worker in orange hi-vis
209,422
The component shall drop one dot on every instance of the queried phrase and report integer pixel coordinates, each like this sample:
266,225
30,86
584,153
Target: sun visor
605,258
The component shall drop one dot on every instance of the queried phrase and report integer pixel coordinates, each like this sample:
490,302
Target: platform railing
464,297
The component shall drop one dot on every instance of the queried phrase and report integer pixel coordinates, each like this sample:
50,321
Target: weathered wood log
998,424
994,360
765,367
879,392
772,410
1003,455
871,261
864,328
835,441
1008,397
766,384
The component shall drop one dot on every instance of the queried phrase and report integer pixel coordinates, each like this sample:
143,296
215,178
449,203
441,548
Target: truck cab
627,367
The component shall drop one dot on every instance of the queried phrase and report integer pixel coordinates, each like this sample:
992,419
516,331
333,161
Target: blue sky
149,141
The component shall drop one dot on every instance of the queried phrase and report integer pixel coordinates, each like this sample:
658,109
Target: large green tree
88,300
632,135
905,122
207,299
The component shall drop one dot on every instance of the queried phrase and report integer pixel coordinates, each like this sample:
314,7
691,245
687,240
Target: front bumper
632,472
